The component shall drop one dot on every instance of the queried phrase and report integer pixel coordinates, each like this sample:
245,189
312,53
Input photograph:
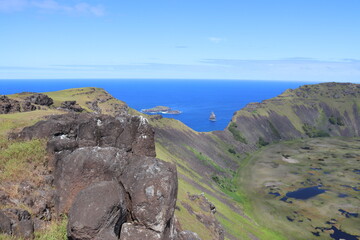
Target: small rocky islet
160,110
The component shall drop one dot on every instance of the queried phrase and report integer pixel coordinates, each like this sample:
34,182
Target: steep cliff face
327,109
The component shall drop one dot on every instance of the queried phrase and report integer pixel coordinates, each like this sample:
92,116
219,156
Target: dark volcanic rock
84,167
40,99
131,231
27,106
131,133
152,185
8,105
5,224
71,106
21,223
187,235
206,216
98,212
94,106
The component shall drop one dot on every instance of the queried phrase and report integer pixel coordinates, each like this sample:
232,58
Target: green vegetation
261,142
313,132
224,182
18,157
236,133
336,121
232,151
55,231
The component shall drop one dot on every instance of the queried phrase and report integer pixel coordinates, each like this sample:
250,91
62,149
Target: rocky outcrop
187,235
40,99
98,212
106,177
152,186
71,106
8,105
67,132
27,106
206,216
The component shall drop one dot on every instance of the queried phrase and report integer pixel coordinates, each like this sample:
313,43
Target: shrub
313,132
232,151
336,121
261,142
224,183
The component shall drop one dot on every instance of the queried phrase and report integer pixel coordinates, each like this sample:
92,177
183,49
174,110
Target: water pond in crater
305,193
338,234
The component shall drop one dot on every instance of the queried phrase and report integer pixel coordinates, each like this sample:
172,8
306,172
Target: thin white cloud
81,8
12,5
216,39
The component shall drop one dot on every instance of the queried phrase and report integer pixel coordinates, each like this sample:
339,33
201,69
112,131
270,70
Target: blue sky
302,40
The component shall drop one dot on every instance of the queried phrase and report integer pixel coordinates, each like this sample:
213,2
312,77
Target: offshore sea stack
106,177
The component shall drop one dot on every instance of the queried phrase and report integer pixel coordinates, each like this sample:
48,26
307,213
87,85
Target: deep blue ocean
195,98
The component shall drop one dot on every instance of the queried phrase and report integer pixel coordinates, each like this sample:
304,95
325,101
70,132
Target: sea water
196,99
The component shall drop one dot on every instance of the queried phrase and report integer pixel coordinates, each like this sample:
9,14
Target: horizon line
170,79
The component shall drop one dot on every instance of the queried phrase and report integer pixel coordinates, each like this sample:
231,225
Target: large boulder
40,99
84,167
152,186
131,133
71,106
98,212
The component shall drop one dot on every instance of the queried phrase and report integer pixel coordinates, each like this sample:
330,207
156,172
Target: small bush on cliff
336,121
232,151
224,183
261,142
313,132
236,133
